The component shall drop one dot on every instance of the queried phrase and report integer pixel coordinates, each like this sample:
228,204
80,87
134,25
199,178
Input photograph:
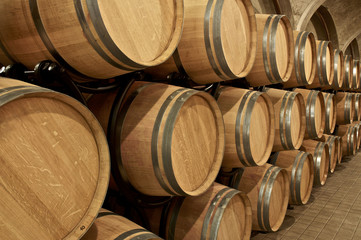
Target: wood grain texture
300,169
273,184
305,65
315,112
321,159
171,140
249,126
109,225
339,71
218,42
278,49
325,65
290,119
100,39
55,164
330,112
345,108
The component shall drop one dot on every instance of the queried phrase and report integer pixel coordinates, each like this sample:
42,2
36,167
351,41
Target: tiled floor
333,212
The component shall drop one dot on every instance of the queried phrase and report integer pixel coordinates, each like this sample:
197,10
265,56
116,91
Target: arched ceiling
347,18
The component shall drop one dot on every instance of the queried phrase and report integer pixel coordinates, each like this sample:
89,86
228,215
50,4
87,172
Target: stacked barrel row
166,140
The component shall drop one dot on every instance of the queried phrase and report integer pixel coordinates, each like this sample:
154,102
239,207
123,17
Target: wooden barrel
220,213
249,124
54,164
300,169
339,71
325,65
109,225
357,114
315,112
356,75
333,147
349,139
321,159
330,112
305,67
165,140
340,150
268,189
345,105
97,40
357,125
347,81
275,51
290,118
218,43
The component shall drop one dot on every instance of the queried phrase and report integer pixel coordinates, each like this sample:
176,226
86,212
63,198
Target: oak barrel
347,80
315,112
109,225
165,140
55,164
345,105
275,51
220,213
349,139
333,147
340,150
321,159
249,125
356,75
290,119
305,64
339,71
325,65
99,39
218,43
268,189
357,114
300,169
357,125
330,112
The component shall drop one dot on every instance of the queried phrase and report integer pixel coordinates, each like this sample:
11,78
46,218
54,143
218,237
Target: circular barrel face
331,111
278,201
240,222
309,58
298,124
260,127
324,166
328,64
282,52
306,179
319,115
340,68
55,165
194,143
149,26
236,34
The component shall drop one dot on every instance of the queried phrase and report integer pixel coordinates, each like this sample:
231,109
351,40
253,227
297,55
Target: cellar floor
333,211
